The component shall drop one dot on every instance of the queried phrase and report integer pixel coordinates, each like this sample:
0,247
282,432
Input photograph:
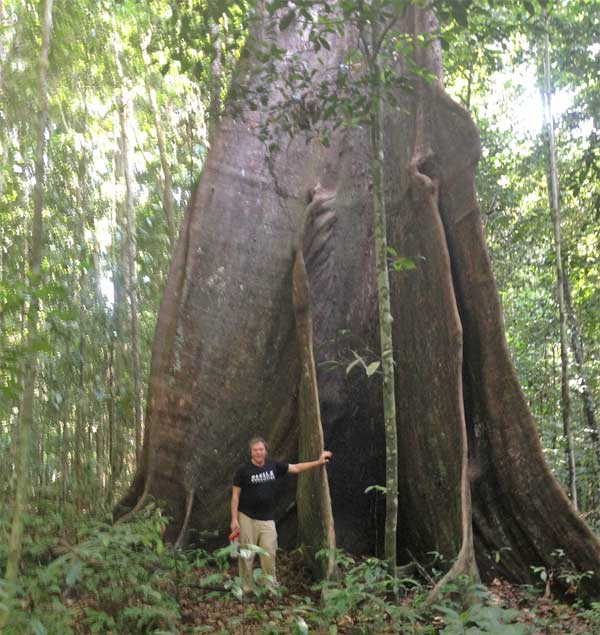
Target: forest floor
519,611
99,578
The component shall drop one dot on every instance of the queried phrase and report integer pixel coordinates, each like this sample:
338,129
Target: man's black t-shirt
257,498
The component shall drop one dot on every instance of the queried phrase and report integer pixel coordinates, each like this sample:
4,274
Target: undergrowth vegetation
100,579
92,577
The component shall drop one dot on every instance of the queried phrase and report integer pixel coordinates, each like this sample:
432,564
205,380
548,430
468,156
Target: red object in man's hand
234,534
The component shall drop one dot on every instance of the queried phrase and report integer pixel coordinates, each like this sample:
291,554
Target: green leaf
37,627
250,549
237,592
325,44
372,367
74,573
403,264
210,580
51,290
301,626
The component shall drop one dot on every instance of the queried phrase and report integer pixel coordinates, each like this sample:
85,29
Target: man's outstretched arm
296,468
235,501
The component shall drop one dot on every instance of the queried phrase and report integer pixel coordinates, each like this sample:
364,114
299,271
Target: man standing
253,504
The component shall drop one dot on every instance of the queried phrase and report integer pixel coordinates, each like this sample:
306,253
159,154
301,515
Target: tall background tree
26,428
86,394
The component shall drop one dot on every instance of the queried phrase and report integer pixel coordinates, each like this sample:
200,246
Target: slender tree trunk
99,450
83,416
112,416
38,483
99,306
64,455
385,311
586,396
168,200
119,379
79,455
125,116
125,109
2,59
190,137
556,222
469,85
26,420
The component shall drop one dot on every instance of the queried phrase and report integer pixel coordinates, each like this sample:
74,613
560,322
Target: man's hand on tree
325,456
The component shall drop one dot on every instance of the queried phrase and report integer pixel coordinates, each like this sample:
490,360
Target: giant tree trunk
226,361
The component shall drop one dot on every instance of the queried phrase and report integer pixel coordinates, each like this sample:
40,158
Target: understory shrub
117,580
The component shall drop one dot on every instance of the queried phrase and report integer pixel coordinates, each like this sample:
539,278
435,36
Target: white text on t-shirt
263,477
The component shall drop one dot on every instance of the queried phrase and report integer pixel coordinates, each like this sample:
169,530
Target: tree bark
226,362
315,518
519,510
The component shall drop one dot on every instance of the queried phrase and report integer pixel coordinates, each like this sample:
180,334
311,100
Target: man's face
258,453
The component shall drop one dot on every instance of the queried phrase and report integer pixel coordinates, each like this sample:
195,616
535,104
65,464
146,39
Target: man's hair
255,440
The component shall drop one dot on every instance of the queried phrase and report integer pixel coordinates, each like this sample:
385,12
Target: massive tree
230,345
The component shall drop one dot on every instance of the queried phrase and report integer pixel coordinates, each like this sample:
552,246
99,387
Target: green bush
364,592
117,581
480,619
463,605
